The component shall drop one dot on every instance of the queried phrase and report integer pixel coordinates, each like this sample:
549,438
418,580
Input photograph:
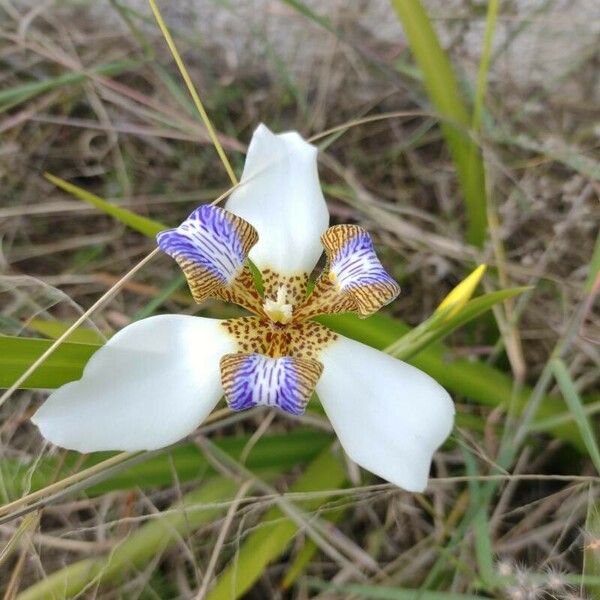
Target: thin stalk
193,93
104,298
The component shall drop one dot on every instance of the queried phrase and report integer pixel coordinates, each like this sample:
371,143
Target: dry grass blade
101,301
210,569
26,527
32,501
232,468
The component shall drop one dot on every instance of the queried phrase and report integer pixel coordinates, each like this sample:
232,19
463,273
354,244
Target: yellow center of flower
278,310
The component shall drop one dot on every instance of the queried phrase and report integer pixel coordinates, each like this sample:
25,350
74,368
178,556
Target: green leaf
439,325
275,531
201,506
146,226
443,91
279,452
63,365
569,392
54,329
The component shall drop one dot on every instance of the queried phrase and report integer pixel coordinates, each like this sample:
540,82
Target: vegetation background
465,132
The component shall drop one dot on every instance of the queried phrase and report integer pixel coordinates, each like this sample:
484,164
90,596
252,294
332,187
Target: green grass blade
144,225
373,592
65,364
484,65
310,14
567,387
16,95
439,326
478,503
442,88
594,267
270,539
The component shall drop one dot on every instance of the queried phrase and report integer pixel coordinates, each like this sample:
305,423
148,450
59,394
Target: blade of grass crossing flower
192,90
275,531
54,329
144,225
443,90
569,392
33,367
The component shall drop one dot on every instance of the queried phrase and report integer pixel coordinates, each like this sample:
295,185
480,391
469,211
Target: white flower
156,380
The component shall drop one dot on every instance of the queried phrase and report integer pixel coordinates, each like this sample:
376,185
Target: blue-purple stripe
264,381
209,239
356,265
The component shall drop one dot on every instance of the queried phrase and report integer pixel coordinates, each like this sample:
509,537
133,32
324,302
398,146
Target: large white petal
281,197
150,385
389,416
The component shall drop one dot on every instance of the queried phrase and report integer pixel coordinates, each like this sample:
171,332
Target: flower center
279,310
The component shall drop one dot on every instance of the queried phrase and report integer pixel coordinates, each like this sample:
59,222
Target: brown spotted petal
211,246
301,339
254,379
355,280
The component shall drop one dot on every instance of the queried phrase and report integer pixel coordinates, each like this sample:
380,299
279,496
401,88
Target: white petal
389,416
150,385
281,197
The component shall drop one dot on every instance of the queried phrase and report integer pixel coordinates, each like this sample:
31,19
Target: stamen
279,310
